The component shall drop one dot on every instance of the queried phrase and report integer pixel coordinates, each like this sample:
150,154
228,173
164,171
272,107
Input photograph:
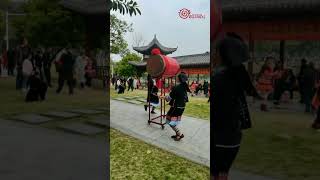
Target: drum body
161,66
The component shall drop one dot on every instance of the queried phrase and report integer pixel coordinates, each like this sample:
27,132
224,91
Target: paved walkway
131,119
35,153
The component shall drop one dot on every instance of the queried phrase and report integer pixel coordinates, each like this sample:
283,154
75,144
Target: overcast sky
162,18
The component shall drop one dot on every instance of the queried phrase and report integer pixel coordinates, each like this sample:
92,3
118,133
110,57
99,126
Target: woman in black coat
230,114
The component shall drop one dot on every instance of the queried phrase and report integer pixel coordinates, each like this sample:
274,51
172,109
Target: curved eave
146,50
264,10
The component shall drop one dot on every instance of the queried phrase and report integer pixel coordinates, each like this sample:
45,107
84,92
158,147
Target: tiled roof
194,60
146,50
92,7
237,9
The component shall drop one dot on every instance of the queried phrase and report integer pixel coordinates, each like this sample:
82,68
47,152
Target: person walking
90,72
66,70
80,66
21,54
265,82
177,98
308,85
230,114
27,69
47,62
300,79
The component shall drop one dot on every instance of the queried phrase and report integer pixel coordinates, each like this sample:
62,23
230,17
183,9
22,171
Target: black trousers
223,159
47,74
70,83
130,87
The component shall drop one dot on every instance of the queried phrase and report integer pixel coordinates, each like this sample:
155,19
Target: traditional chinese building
195,64
276,20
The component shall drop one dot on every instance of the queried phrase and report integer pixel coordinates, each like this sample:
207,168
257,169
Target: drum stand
161,119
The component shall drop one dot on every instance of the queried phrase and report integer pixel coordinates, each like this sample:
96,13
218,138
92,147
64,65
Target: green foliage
47,23
123,68
118,28
125,7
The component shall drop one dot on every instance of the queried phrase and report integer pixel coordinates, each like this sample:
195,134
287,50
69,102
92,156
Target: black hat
233,50
183,77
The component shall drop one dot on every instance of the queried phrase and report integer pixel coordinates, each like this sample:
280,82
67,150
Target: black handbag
245,120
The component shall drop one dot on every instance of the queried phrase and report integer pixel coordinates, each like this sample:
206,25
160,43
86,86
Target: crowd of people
274,82
121,84
32,69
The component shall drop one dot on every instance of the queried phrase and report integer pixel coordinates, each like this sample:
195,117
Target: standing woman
229,108
265,82
177,99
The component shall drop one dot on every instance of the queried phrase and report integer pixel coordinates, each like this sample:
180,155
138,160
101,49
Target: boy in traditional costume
177,99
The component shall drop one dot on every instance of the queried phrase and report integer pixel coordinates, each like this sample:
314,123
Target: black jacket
179,96
229,108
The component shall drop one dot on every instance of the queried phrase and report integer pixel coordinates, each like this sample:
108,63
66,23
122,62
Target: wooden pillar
282,52
250,63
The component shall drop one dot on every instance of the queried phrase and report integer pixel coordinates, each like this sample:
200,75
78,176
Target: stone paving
81,128
195,146
60,114
32,118
29,152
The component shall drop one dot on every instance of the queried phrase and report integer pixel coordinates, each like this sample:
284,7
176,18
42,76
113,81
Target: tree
124,6
118,28
49,24
123,68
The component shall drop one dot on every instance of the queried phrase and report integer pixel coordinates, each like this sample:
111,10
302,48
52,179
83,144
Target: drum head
156,66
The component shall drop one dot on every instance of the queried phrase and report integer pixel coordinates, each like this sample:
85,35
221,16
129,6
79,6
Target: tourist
118,83
316,107
121,88
27,69
47,60
135,83
198,88
90,72
177,98
205,88
11,62
291,83
65,70
22,53
38,88
152,97
265,82
80,65
309,81
229,107
300,79
4,62
130,84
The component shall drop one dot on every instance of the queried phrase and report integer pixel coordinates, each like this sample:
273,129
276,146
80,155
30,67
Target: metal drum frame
161,119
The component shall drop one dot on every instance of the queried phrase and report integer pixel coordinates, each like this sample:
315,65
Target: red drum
162,66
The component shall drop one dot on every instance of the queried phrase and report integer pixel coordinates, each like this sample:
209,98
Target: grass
197,107
13,100
281,145
132,159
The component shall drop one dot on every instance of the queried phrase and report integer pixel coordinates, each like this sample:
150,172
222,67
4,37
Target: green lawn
196,107
12,101
281,145
133,159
